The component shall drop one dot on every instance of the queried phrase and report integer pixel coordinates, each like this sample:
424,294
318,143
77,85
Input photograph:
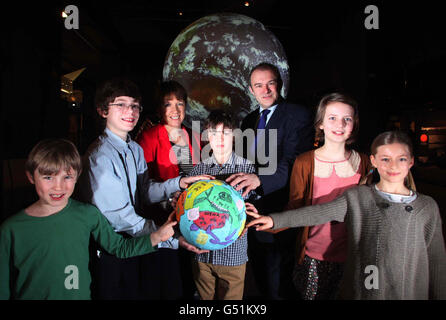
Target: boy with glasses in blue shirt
116,181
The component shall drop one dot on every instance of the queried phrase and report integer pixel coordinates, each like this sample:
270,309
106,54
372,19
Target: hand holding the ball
187,181
186,245
260,222
246,181
251,210
173,199
165,231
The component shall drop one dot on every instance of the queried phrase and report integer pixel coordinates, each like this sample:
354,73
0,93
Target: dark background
396,72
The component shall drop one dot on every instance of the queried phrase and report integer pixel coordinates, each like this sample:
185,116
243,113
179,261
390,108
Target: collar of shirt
116,141
213,161
271,109
398,198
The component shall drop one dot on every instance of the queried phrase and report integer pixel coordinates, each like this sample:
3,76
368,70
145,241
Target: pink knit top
328,242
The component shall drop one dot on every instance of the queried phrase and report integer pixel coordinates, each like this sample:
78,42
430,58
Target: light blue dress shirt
116,181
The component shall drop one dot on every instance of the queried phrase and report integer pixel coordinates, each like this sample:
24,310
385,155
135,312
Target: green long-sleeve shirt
47,257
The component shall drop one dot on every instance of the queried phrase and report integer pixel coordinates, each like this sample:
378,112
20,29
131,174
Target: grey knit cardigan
395,250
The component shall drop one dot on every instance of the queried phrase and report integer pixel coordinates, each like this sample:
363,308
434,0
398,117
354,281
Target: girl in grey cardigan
396,248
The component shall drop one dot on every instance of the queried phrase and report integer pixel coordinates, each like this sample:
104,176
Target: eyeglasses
123,106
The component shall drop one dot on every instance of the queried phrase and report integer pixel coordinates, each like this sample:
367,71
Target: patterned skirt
317,280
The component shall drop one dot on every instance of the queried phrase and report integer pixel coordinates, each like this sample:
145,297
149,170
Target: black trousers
161,275
114,278
272,264
154,276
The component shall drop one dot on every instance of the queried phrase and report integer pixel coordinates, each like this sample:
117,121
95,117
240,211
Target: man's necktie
262,121
261,125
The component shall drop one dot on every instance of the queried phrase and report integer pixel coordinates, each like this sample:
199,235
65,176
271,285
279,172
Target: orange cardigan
301,190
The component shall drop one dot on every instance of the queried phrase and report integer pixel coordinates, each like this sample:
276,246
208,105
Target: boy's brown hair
217,117
49,156
109,90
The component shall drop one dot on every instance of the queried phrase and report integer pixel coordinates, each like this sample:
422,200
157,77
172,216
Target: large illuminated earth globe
211,214
212,59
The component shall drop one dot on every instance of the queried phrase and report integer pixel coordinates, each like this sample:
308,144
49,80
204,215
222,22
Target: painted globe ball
211,214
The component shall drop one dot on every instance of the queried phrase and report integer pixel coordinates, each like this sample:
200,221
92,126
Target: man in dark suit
288,132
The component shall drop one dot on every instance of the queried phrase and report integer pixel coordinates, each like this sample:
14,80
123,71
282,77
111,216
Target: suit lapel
251,120
276,119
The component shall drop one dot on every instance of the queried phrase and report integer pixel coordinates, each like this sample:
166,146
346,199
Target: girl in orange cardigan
319,176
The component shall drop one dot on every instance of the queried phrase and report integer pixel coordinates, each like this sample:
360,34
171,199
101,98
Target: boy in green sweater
44,249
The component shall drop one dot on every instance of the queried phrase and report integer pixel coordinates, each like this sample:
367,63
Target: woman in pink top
320,176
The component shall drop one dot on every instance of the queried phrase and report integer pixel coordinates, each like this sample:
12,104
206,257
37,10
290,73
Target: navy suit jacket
295,135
